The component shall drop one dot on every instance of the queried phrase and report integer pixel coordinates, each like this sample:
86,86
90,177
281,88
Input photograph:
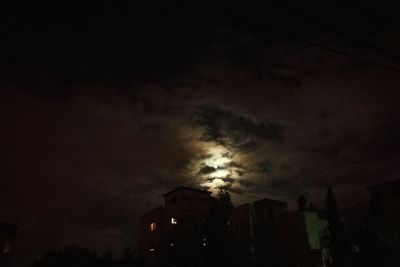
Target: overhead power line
315,44
299,38
367,11
334,30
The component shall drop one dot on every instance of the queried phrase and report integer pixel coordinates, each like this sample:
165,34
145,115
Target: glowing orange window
152,226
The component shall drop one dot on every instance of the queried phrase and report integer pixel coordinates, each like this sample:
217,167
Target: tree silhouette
68,257
83,257
221,242
339,242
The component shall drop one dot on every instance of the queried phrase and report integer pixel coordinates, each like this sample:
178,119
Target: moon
218,158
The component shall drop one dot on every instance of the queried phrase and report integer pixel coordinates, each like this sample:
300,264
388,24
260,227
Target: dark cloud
264,166
236,131
232,189
246,183
236,165
229,180
67,43
207,170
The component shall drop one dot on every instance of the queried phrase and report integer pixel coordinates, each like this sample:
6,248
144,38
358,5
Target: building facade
302,238
254,225
385,210
163,229
264,232
271,235
385,201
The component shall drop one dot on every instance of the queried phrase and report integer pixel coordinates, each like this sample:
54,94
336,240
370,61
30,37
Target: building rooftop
269,200
186,188
155,210
391,183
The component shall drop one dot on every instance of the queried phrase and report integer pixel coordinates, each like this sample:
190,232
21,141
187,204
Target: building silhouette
271,234
385,201
385,222
264,232
254,226
163,229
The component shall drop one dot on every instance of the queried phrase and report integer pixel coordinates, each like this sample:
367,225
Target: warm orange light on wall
152,226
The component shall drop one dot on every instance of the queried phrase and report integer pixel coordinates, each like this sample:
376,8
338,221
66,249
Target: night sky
104,106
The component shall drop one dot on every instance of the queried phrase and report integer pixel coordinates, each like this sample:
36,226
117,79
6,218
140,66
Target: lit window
174,221
153,226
